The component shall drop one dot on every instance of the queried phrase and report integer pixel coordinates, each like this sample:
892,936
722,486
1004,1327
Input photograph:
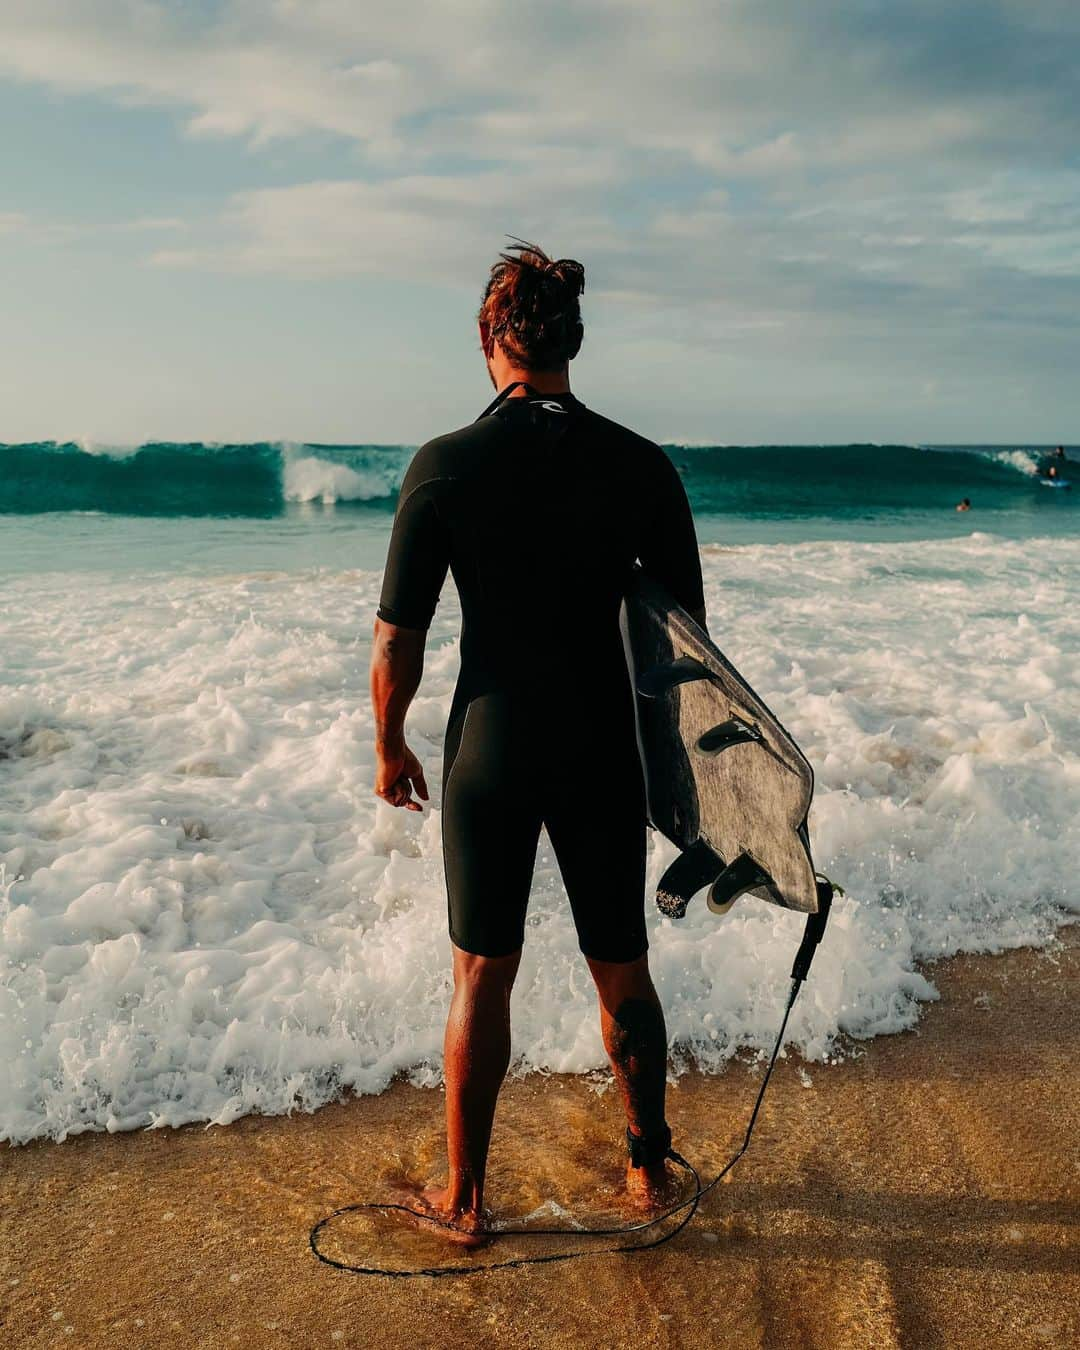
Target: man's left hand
397,774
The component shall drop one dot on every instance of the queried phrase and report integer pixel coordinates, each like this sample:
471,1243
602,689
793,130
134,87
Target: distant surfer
539,509
964,504
1054,466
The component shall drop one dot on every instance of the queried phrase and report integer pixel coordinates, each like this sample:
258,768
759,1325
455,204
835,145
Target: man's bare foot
653,1187
431,1212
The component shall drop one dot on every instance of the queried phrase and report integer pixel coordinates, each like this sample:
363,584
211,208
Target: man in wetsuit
539,509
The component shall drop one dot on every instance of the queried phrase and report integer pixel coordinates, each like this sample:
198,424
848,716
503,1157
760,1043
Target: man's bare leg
635,1037
476,1057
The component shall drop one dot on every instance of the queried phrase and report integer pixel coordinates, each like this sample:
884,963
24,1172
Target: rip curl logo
548,406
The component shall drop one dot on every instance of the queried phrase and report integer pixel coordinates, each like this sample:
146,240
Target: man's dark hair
531,305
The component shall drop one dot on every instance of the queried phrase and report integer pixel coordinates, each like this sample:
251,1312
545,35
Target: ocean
203,910
277,504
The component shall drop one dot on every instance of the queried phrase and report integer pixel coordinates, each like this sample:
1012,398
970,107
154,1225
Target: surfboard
1055,482
724,781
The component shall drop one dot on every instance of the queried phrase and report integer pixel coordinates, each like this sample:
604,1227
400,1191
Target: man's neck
543,381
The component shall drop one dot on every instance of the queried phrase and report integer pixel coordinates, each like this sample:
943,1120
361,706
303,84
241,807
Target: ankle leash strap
647,1149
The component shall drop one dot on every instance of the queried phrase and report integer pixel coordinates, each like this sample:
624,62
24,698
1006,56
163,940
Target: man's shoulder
466,449
452,450
624,440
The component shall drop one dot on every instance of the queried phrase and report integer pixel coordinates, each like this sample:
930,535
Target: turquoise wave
855,480
195,479
267,478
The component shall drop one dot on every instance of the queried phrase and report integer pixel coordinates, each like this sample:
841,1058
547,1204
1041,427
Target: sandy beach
922,1193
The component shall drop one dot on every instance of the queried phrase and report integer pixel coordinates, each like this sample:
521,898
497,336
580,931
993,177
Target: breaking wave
268,478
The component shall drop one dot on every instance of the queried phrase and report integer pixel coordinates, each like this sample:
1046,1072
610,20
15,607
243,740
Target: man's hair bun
531,305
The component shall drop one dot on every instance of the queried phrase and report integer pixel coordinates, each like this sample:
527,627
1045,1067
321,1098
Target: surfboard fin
652,683
699,866
690,871
724,735
740,876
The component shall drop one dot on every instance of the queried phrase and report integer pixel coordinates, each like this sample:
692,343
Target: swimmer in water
964,505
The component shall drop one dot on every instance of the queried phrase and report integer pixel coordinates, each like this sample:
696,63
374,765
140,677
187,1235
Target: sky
272,219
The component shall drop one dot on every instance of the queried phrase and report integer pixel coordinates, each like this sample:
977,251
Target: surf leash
812,935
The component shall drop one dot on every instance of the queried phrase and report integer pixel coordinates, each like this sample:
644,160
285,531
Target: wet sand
921,1194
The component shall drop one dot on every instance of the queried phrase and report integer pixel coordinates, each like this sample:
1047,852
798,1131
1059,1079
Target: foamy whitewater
206,913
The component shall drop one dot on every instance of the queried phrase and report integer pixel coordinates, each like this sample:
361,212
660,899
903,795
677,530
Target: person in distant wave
539,509
964,504
1054,465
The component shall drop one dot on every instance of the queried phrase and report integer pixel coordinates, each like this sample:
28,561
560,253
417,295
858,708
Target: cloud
430,227
53,232
851,171
238,74
719,83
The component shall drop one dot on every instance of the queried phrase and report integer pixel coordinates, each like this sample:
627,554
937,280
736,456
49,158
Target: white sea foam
1025,461
107,449
309,478
213,916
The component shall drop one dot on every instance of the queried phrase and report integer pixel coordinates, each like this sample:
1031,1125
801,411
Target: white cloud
851,172
53,232
253,71
744,83
432,227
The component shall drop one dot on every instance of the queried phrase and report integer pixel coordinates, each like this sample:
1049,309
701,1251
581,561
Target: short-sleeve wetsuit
540,509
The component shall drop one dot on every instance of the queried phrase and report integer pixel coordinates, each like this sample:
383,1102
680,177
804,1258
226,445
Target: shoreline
922,1192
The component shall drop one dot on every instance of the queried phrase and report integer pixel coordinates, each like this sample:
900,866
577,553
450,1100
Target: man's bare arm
397,663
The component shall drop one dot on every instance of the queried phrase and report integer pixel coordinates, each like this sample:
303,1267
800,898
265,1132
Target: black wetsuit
540,509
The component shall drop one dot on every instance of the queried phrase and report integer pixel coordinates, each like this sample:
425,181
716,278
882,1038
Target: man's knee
485,974
617,981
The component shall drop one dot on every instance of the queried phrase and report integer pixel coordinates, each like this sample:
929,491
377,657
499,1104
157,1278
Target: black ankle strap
647,1149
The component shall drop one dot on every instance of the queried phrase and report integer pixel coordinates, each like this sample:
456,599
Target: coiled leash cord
815,928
